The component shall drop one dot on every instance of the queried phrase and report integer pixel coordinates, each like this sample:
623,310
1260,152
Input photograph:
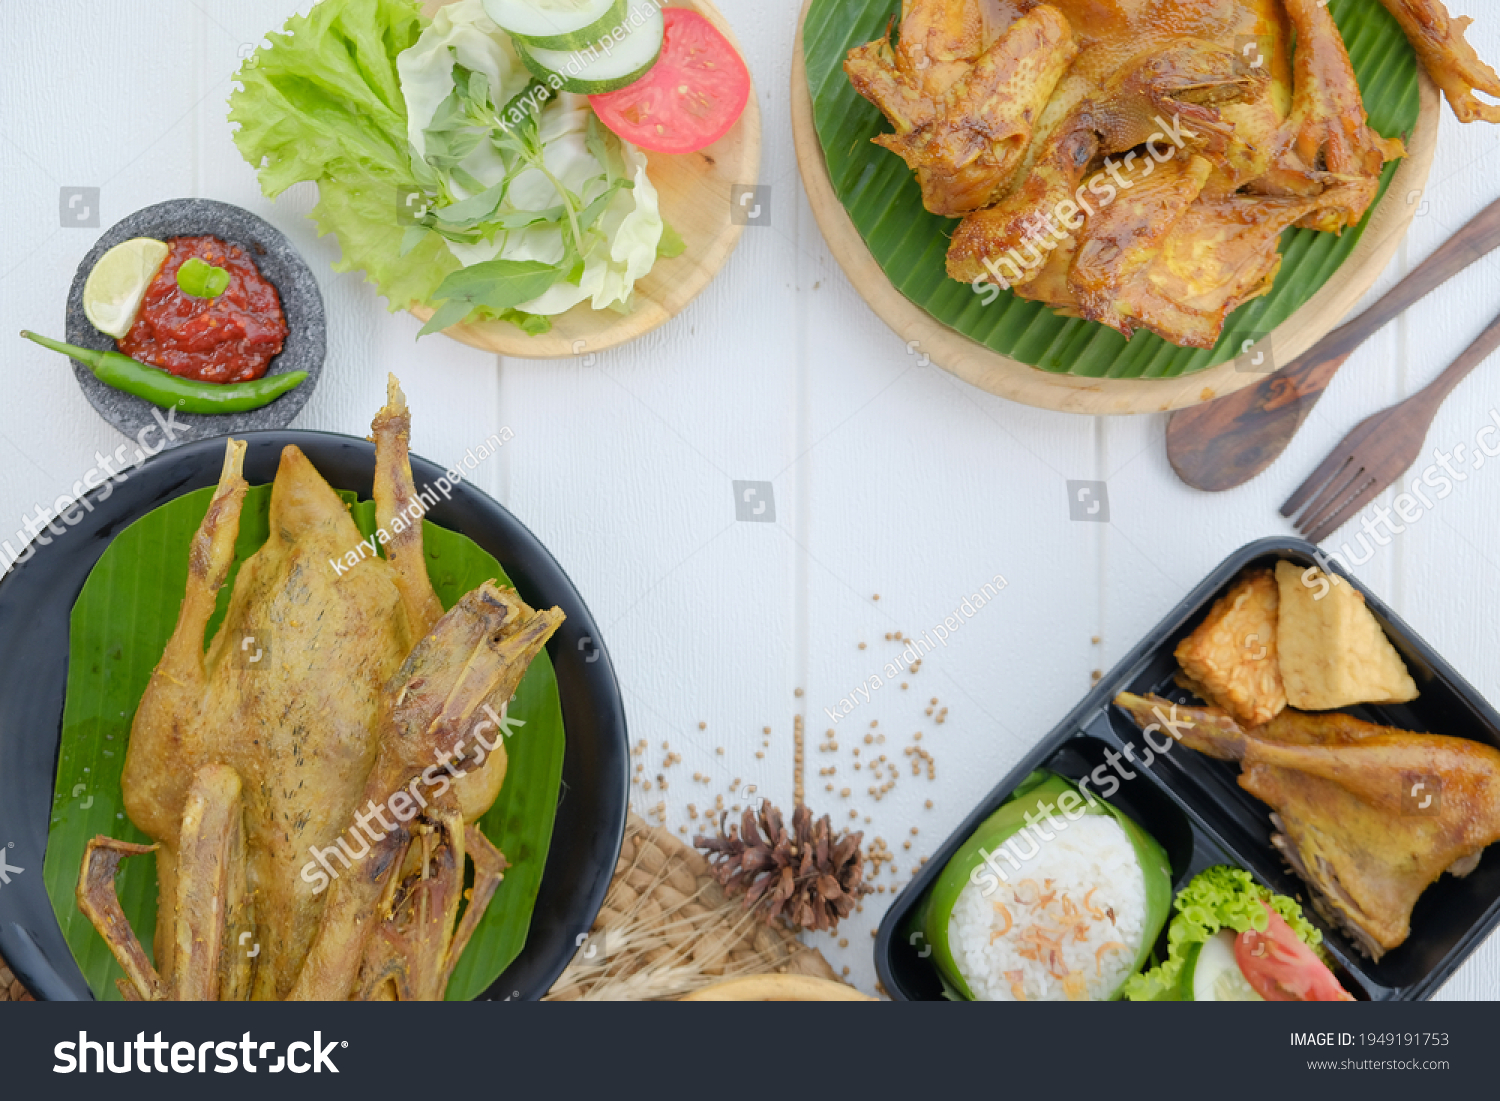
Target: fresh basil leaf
469,212
479,88
598,147
520,219
422,173
449,117
466,179
495,285
525,107
449,313
201,279
591,213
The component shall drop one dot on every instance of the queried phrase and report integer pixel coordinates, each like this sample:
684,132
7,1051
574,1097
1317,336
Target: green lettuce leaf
1218,898
322,103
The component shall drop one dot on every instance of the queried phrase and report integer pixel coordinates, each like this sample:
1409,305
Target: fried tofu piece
1231,659
1333,651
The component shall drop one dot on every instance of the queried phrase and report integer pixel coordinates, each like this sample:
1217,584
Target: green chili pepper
167,390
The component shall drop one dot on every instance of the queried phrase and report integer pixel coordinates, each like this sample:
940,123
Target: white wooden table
889,476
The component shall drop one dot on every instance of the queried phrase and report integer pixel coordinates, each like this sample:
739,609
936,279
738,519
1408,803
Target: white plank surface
889,476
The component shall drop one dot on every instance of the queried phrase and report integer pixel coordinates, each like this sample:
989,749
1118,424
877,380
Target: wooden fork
1381,449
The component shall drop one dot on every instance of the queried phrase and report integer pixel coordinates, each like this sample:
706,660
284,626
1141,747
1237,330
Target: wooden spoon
1224,443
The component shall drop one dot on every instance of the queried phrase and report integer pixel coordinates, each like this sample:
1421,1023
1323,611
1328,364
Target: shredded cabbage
449,175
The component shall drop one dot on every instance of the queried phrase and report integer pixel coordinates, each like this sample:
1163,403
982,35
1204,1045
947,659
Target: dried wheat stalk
667,929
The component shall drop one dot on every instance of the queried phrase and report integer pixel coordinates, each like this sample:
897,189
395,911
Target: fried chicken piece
1326,147
1122,241
430,713
963,109
1226,252
1368,816
1164,98
1452,63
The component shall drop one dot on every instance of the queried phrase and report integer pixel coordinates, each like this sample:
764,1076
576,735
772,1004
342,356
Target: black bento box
1195,808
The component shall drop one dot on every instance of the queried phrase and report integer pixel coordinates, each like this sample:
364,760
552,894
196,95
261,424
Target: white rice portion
1066,926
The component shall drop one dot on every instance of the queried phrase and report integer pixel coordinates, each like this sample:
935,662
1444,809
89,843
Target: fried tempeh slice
1232,658
1334,653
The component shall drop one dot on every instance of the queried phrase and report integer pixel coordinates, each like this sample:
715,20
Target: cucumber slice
607,65
1216,974
557,24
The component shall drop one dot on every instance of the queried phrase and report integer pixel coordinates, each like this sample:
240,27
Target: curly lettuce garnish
1218,898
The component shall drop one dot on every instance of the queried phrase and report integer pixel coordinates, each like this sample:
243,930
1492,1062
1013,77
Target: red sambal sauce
231,338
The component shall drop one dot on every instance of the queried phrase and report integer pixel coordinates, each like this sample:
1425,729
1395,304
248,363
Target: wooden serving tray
1010,378
695,191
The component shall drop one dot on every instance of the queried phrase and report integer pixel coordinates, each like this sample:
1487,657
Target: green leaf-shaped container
1037,795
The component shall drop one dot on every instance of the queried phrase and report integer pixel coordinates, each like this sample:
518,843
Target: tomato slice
1281,968
694,93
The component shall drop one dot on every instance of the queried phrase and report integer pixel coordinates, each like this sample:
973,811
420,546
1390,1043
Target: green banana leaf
119,627
885,204
1037,795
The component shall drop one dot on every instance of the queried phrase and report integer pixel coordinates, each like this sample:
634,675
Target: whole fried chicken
1135,162
248,759
1348,805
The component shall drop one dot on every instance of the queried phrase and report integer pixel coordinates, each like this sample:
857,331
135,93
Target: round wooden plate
777,988
1009,378
695,191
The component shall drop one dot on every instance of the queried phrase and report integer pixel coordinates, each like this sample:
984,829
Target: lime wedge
114,289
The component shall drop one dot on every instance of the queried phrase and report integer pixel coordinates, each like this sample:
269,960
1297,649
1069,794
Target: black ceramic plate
301,302
37,596
1195,808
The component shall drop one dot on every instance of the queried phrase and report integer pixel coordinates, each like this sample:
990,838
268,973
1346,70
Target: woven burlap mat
666,930
11,989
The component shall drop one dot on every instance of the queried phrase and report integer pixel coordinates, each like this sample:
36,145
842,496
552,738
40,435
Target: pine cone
809,877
